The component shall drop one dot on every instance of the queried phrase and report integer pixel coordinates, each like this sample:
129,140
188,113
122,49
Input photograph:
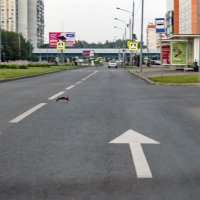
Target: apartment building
153,38
8,15
25,17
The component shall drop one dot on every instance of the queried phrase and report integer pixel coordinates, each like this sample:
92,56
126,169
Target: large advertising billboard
179,53
68,37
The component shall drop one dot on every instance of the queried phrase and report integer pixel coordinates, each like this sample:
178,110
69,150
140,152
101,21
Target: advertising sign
179,53
165,50
88,53
67,37
160,25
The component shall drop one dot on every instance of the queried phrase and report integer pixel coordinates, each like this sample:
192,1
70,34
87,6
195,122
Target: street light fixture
131,27
122,9
119,20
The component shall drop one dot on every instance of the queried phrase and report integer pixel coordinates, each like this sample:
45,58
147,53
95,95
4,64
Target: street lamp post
131,28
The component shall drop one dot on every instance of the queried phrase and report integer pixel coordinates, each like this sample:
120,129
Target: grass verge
15,73
176,79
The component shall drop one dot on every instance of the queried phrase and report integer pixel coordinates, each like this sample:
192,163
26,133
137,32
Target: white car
112,63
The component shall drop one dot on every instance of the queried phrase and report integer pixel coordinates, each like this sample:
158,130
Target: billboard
88,53
165,52
179,53
160,25
67,37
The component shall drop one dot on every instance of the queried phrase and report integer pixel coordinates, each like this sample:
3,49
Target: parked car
112,63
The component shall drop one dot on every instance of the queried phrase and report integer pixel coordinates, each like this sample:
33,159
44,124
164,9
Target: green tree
15,47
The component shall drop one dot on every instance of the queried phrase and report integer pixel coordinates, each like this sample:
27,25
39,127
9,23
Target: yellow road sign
60,45
133,46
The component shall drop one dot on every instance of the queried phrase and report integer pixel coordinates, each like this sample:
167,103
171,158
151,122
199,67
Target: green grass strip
176,79
15,73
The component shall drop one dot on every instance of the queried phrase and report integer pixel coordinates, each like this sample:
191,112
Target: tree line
15,47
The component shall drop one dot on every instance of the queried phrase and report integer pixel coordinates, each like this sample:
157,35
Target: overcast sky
93,20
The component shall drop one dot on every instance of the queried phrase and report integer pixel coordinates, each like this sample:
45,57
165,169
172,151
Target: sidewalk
161,71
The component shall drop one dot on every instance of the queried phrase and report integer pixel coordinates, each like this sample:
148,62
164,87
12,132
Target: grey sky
93,20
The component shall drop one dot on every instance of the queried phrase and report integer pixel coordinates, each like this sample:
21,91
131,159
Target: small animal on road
63,98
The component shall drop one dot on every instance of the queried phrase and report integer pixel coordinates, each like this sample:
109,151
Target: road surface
118,138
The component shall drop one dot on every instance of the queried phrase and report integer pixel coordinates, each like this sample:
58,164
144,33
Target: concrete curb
167,84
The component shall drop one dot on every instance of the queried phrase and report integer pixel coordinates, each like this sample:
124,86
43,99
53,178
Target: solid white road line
56,95
70,87
27,113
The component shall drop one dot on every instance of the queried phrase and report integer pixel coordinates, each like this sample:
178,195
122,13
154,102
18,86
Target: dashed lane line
37,107
27,113
79,82
70,87
56,95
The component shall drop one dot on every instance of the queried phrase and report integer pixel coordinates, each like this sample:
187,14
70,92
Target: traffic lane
75,159
20,95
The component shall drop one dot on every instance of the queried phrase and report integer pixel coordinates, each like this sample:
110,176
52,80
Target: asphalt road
67,150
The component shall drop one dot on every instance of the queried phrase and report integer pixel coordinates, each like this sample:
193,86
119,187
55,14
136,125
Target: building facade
25,17
151,36
183,23
8,15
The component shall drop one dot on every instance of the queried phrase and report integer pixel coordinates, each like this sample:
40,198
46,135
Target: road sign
60,45
135,140
133,46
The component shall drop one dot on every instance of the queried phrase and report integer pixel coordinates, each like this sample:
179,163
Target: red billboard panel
69,38
165,53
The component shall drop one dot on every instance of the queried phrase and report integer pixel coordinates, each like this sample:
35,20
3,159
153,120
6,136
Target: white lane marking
70,87
135,140
27,113
89,76
56,95
94,72
79,82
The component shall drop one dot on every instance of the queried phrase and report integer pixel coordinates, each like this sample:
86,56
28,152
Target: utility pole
132,31
0,34
141,42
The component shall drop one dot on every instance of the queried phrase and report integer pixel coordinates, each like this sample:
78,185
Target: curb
167,84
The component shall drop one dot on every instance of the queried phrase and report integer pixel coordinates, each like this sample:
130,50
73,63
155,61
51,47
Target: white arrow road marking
135,140
27,113
56,95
